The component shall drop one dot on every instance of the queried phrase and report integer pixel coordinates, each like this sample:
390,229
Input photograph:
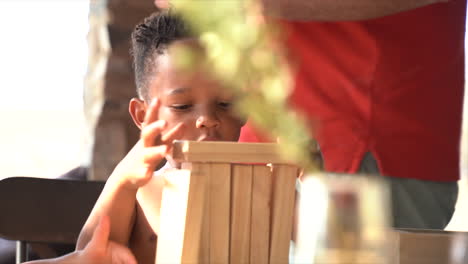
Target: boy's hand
137,168
102,251
156,145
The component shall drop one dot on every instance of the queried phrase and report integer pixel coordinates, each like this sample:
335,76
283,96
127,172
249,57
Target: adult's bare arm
339,10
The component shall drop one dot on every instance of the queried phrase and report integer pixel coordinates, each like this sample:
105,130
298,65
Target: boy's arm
339,10
118,198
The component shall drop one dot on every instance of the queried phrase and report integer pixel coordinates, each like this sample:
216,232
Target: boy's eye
181,107
225,105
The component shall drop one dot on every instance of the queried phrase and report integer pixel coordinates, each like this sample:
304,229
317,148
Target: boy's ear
137,109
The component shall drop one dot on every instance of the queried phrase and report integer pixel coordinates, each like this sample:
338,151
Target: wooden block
173,215
241,213
197,236
226,152
220,209
284,189
261,207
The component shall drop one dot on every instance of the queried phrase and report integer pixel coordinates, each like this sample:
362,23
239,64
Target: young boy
173,103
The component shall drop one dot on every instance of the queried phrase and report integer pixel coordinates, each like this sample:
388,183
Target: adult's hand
100,250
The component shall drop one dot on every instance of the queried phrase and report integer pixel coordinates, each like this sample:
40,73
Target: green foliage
242,53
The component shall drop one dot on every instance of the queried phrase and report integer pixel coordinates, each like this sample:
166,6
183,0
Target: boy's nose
207,120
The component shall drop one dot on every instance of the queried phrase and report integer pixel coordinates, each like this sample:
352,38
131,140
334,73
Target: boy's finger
101,234
152,112
154,155
150,132
173,134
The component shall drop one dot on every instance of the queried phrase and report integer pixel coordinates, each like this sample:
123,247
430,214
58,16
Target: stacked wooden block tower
229,203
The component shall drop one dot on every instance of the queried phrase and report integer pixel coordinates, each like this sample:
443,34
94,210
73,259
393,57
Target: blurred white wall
43,59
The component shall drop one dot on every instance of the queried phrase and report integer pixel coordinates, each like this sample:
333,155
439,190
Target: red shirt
391,86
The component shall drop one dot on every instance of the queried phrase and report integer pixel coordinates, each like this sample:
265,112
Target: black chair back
45,210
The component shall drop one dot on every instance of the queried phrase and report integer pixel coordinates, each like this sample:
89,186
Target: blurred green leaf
242,55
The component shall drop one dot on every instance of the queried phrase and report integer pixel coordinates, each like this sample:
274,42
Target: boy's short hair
150,39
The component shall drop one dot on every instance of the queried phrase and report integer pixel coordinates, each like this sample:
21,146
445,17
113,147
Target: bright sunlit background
43,60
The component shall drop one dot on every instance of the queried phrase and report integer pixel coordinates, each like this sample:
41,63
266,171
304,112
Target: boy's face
194,99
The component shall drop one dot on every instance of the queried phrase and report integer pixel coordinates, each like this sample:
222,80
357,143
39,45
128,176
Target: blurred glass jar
343,219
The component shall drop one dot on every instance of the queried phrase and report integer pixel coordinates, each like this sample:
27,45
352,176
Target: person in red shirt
384,83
